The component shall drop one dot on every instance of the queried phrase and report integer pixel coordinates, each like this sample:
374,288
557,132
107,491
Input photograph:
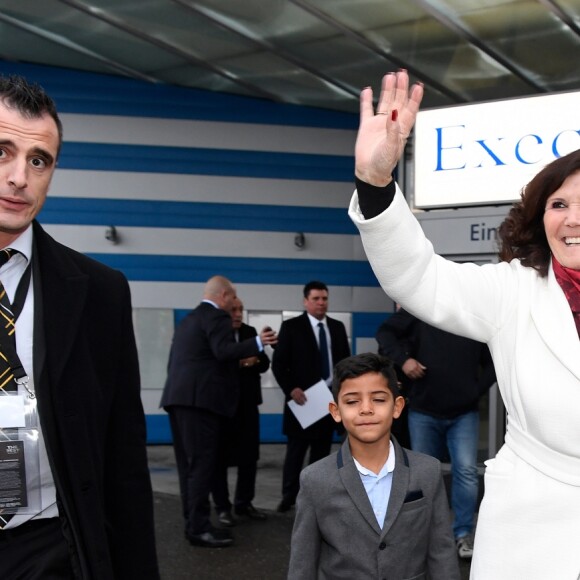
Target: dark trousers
35,550
243,451
245,487
197,439
294,461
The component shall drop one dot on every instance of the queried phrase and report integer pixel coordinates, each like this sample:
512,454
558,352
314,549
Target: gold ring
382,113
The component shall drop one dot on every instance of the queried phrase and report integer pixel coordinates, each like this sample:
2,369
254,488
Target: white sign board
486,153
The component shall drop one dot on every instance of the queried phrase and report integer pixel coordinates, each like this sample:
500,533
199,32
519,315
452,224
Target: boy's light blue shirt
378,486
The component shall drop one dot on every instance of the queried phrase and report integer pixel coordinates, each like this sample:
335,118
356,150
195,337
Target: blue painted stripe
199,161
158,430
179,314
100,94
271,428
366,324
213,216
153,268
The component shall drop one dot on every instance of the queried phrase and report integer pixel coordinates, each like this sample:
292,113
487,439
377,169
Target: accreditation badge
19,454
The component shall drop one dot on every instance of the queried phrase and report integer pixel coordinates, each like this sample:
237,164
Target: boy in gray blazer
374,509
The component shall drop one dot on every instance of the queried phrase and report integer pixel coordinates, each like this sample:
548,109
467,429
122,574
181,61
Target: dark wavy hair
29,99
522,235
361,364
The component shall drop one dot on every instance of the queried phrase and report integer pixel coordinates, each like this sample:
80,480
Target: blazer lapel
351,480
63,292
399,488
553,318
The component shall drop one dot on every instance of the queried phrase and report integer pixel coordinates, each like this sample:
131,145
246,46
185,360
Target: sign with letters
485,153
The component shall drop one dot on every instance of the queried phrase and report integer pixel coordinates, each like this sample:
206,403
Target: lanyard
7,344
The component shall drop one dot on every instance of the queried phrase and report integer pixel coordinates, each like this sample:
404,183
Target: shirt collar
210,302
315,321
387,468
23,243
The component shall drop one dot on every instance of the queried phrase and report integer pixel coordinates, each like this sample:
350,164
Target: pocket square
413,495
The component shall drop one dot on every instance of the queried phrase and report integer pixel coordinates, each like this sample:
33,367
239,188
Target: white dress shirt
10,274
378,485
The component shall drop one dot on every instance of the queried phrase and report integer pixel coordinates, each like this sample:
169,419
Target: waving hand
382,136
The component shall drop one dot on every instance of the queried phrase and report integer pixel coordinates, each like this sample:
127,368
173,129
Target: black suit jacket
87,382
459,370
203,362
250,379
296,363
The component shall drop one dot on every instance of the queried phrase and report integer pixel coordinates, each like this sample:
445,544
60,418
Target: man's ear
334,411
399,406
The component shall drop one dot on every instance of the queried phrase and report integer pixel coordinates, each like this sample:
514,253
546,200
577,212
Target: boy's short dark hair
29,99
361,364
314,285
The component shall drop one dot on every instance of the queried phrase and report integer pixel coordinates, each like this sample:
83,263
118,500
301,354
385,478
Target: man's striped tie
7,333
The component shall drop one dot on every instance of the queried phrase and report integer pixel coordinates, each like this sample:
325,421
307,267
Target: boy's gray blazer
336,534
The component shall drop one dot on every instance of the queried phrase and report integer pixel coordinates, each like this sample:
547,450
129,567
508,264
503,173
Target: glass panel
153,332
19,45
90,33
521,31
424,44
311,52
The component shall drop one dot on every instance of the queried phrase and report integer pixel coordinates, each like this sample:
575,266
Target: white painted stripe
199,188
200,242
207,134
258,297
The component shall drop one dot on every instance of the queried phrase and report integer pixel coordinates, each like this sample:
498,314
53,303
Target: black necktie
323,346
7,329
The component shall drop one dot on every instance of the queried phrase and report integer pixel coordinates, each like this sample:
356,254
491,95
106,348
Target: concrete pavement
261,550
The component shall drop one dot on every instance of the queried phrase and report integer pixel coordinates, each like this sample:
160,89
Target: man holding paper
308,347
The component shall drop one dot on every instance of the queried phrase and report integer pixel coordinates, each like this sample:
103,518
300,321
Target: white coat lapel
555,323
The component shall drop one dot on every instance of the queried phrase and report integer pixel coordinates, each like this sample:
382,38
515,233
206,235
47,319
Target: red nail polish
394,114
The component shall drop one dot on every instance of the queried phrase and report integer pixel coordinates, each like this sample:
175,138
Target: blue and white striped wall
200,183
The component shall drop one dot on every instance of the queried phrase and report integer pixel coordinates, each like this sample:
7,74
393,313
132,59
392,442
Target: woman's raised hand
382,135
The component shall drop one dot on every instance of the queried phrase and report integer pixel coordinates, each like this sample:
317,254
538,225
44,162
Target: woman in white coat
526,308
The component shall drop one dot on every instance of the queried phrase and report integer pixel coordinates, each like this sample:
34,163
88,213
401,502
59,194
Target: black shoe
284,506
213,539
226,519
251,512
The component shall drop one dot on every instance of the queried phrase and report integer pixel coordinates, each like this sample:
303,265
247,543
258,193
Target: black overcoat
87,382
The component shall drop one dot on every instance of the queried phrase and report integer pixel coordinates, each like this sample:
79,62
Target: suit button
382,546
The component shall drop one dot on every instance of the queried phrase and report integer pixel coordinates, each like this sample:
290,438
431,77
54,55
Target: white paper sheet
318,396
12,411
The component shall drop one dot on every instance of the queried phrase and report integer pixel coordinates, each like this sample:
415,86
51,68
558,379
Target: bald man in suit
201,396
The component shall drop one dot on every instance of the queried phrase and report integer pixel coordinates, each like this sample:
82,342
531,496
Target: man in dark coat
446,376
201,395
88,511
243,442
297,365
